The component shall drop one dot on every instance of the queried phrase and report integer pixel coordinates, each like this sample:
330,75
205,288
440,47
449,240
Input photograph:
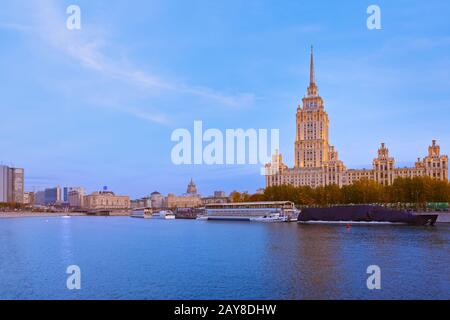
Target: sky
97,106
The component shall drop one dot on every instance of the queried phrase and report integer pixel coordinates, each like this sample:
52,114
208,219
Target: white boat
143,213
164,214
273,217
267,211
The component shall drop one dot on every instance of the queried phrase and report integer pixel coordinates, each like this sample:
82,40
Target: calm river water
125,258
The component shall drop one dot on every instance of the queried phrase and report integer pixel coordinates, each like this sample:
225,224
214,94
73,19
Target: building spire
312,88
311,67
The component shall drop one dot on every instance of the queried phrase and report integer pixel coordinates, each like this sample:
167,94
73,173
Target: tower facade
192,188
311,143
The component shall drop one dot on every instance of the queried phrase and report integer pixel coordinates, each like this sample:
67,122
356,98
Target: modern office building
317,163
65,195
39,198
18,184
3,184
11,184
53,196
218,197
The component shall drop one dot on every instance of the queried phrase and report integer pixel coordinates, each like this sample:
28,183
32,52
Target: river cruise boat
163,214
268,211
188,213
143,213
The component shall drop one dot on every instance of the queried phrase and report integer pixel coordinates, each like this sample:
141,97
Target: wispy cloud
15,26
86,47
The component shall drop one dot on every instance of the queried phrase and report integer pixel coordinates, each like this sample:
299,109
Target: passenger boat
274,217
267,211
143,213
163,214
188,213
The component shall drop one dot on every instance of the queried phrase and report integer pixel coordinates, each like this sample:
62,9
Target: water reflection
66,241
181,259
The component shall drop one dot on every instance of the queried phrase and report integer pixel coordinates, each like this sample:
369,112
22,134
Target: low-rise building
145,202
260,191
218,197
212,200
106,200
219,194
186,201
28,198
156,200
191,199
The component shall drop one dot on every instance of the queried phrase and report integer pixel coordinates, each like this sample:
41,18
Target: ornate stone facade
317,162
191,199
188,201
106,200
192,188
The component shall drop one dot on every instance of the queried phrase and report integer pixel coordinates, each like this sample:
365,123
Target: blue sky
97,106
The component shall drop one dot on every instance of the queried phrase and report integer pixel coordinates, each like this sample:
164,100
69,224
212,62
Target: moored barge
365,214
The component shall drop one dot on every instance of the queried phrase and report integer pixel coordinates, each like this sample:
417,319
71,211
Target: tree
418,190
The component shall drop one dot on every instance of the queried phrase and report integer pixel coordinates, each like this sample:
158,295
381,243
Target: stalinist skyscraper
317,163
311,143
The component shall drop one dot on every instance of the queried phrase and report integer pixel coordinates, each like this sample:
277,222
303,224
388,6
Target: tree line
419,190
5,206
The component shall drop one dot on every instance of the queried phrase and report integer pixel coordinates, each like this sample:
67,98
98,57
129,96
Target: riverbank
443,217
29,214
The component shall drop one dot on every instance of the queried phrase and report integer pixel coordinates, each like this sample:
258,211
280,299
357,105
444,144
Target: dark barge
365,214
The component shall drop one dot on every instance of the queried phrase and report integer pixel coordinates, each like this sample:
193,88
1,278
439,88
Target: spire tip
311,74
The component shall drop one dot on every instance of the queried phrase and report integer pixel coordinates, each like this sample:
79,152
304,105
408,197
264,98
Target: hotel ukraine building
317,162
